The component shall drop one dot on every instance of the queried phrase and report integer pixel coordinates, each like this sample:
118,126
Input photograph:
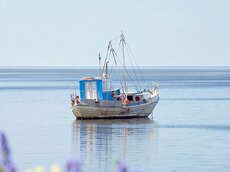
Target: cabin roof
90,78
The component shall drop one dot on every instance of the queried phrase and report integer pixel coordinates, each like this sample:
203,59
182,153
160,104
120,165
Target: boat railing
152,88
149,87
75,98
155,89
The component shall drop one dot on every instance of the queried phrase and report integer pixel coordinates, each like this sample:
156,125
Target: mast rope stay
134,70
143,78
129,53
124,74
124,70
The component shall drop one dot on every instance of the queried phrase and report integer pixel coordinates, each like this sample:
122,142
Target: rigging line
111,69
122,40
125,70
109,46
130,77
112,51
120,80
113,63
109,54
112,66
134,70
106,57
114,57
124,43
114,39
118,46
136,63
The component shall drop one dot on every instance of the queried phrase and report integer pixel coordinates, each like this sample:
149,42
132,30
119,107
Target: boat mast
123,47
106,69
106,57
123,54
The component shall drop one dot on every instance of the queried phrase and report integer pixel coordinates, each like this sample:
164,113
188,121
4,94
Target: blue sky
72,32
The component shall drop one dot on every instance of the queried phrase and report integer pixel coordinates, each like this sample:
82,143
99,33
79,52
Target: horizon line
96,67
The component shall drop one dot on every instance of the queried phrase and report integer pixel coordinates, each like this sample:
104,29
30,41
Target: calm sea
188,131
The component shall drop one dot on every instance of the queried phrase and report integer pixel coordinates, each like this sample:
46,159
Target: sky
73,32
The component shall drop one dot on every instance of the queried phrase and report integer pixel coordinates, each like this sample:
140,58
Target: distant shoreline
128,67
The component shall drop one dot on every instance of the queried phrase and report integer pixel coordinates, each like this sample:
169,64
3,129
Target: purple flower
4,149
138,170
5,158
11,167
122,167
73,165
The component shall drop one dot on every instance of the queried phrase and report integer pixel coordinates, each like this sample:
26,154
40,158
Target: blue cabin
97,89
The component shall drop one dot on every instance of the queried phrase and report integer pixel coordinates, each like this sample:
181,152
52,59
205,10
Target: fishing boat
98,98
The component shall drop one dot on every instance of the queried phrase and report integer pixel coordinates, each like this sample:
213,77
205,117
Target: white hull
127,111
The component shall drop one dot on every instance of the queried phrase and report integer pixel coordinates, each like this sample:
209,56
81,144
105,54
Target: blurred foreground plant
6,163
71,165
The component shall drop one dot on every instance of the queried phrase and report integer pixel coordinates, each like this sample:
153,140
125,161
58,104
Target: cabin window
90,90
107,85
130,98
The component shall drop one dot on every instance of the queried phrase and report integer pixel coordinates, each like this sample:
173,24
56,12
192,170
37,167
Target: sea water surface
189,129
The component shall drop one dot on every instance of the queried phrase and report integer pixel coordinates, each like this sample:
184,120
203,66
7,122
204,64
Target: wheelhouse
97,89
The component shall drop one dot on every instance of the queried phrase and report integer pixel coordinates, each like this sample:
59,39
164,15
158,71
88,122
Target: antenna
100,64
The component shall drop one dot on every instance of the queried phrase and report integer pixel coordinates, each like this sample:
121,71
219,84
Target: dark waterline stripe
148,123
209,127
199,99
177,126
39,88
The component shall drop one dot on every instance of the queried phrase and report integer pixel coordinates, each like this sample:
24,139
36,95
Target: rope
136,63
125,73
124,69
135,74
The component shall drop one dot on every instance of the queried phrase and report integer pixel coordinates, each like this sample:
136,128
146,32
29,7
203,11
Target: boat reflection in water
102,143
